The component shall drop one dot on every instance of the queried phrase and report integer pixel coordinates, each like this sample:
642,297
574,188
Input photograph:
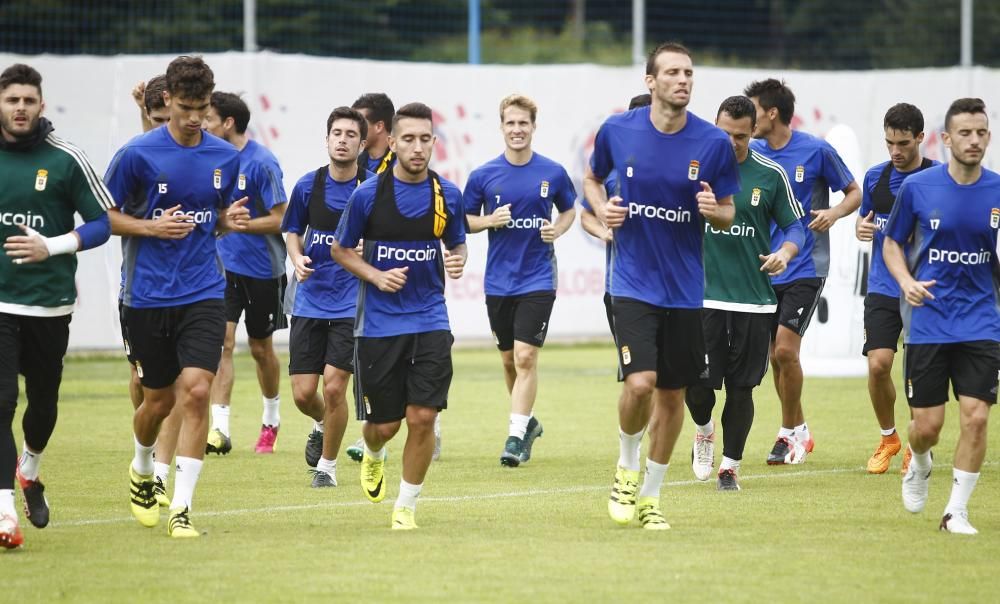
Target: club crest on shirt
693,170
217,179
755,197
41,178
544,191
626,355
368,406
800,173
241,183
995,218
909,388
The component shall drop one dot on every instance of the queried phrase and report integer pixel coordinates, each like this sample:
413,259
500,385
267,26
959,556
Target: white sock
628,449
408,494
29,462
706,430
7,503
271,416
161,471
921,461
729,464
220,418
327,465
317,426
142,462
654,479
374,454
185,480
802,432
888,432
437,425
518,425
784,432
961,489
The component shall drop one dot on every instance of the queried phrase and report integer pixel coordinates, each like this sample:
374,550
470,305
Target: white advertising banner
88,100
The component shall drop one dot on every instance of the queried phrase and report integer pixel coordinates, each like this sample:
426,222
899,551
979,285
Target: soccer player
950,283
814,167
44,180
173,187
403,348
148,96
255,274
675,170
378,110
739,300
597,229
513,196
904,131
322,337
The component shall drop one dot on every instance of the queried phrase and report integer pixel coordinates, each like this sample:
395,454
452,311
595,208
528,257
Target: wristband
66,243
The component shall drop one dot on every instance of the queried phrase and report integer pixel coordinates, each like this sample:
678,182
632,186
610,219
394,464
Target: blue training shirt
952,229
814,167
153,173
880,281
518,261
251,255
656,255
330,292
419,306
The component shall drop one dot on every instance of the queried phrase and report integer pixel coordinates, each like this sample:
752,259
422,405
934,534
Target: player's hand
547,231
865,229
774,264
454,264
612,214
172,224
139,95
607,236
708,205
822,220
360,247
500,217
918,291
302,270
27,248
392,280
238,215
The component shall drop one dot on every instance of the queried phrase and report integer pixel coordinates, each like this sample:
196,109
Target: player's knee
525,359
385,431
420,418
925,430
334,393
975,420
198,392
785,355
260,350
302,394
880,365
640,385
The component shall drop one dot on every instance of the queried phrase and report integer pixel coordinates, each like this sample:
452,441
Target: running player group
717,250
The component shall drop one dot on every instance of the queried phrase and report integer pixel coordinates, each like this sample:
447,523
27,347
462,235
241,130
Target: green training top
733,279
41,187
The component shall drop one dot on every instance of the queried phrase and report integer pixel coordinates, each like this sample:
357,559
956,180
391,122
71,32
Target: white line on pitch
454,498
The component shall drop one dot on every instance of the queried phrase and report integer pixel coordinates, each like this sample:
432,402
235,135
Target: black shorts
737,345
33,347
160,342
263,301
396,371
669,341
315,343
611,316
797,301
524,318
883,323
971,367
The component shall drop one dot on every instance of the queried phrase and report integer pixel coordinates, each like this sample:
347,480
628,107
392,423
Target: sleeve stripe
768,163
97,186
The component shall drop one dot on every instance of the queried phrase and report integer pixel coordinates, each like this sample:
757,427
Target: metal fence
808,34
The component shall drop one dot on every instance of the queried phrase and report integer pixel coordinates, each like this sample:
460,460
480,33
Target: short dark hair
738,107
227,105
190,77
153,97
19,73
662,48
771,94
640,100
904,117
966,105
346,113
379,106
417,111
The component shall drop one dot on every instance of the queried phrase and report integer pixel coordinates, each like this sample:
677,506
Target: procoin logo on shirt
755,197
241,183
693,169
544,191
41,178
668,215
217,179
402,254
995,218
195,216
800,173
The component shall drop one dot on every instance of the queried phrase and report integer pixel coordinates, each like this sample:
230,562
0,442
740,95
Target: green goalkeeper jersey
41,187
733,279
